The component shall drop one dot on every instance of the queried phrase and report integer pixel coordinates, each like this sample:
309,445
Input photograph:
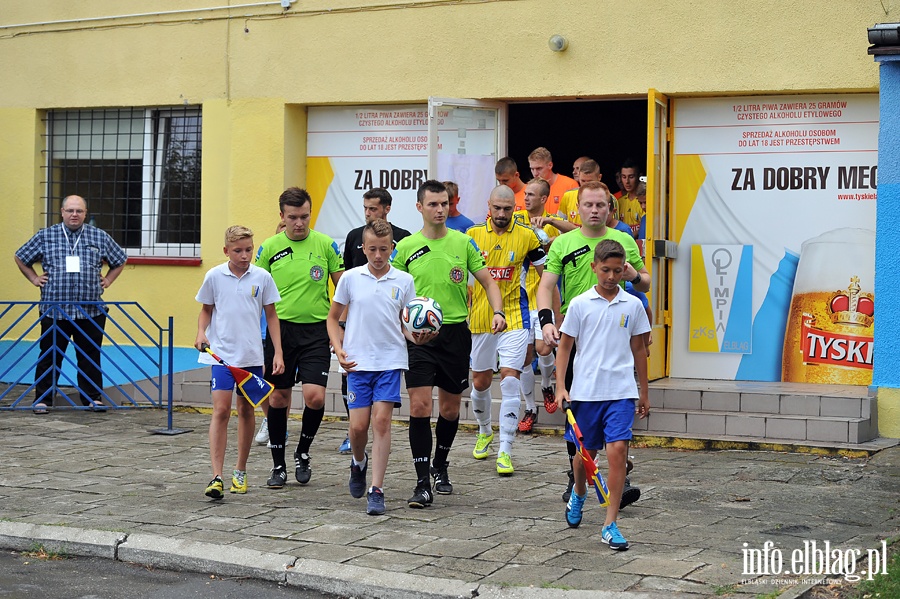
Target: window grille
138,169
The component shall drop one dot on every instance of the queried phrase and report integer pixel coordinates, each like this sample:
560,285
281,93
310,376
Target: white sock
509,412
362,464
527,383
481,405
546,364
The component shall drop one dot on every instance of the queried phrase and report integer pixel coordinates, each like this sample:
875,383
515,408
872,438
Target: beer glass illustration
832,314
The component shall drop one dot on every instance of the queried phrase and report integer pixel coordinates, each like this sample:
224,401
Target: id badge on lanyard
73,262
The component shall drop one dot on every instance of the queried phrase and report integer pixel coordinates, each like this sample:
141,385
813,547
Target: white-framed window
137,168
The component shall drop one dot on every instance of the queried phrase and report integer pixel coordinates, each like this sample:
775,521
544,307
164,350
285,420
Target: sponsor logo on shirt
285,253
571,257
501,273
417,254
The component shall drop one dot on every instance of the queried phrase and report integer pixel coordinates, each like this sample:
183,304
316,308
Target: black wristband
501,313
636,280
545,317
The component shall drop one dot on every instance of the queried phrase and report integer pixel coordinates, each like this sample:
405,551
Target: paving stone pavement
105,472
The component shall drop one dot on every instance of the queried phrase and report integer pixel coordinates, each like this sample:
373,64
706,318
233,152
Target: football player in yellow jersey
568,205
536,192
510,249
630,211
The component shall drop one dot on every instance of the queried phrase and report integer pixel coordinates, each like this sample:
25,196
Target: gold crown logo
852,307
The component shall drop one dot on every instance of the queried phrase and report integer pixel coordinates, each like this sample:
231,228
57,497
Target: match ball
422,315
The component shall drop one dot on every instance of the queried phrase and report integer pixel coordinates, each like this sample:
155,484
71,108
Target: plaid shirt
52,245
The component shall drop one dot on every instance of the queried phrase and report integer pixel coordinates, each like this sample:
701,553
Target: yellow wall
255,75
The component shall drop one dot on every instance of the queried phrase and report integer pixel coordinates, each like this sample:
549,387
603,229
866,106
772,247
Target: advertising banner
351,149
789,184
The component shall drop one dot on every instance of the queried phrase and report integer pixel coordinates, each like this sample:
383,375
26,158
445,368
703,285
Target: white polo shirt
372,337
233,332
604,364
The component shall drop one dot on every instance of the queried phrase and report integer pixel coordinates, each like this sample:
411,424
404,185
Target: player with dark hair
440,260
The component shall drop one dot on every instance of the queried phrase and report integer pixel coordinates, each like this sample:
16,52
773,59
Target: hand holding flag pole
590,467
255,389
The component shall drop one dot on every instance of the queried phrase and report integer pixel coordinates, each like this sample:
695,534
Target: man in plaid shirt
71,254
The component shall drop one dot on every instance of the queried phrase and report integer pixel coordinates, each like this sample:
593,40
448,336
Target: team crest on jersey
456,274
316,273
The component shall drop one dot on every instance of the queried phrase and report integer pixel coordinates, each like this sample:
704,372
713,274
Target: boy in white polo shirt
608,325
234,295
372,349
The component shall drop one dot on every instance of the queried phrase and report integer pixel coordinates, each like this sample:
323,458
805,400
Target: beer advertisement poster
352,149
794,179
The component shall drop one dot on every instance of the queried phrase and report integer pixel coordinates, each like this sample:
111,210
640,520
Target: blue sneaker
375,502
573,509
612,537
345,447
358,478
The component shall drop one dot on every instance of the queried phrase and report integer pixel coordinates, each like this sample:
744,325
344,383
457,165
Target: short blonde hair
594,185
452,189
540,154
236,233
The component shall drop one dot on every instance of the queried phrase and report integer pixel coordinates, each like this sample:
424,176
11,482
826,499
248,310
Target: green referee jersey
440,269
571,255
301,270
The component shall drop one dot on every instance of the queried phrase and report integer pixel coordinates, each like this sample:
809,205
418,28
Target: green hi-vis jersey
440,269
572,253
301,270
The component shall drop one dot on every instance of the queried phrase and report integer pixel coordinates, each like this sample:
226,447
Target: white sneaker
262,437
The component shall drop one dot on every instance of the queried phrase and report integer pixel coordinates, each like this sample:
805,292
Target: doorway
609,131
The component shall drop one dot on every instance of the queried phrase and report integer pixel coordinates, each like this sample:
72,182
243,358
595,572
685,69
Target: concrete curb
183,554
356,581
224,560
22,536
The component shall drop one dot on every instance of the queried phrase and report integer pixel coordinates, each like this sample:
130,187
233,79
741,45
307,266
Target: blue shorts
602,422
365,388
222,380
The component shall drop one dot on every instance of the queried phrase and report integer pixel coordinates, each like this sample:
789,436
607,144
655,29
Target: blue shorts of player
602,422
365,388
222,379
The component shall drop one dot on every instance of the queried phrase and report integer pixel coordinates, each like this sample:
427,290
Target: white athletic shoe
262,437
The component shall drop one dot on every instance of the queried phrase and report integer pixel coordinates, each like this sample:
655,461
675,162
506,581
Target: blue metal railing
132,352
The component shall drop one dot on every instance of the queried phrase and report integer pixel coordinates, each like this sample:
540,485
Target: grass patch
725,590
884,585
40,552
555,585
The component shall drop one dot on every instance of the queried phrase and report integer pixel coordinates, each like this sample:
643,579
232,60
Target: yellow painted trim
888,406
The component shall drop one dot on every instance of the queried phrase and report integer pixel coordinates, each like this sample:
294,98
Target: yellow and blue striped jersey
509,256
532,278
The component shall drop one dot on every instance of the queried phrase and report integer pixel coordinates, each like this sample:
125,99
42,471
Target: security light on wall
558,43
885,34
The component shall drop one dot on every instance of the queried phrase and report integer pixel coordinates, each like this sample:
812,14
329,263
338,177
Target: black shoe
278,478
442,484
422,497
302,471
358,479
629,495
571,484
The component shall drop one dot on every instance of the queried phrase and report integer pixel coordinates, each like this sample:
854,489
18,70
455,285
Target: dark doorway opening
609,131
